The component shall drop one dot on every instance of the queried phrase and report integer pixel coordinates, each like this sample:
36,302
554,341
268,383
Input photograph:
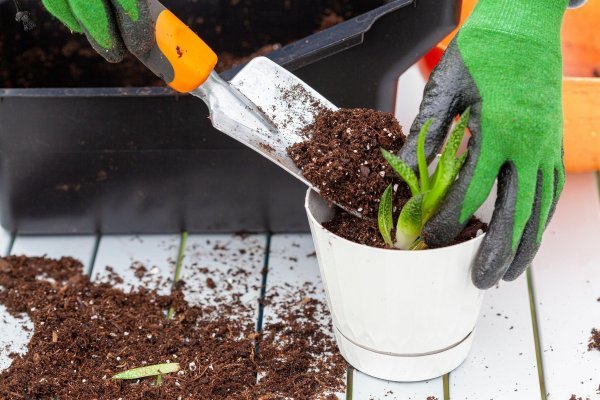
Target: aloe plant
427,191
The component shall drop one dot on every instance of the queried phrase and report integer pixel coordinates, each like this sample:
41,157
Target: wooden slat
78,247
5,241
366,387
502,363
293,266
238,258
157,253
566,282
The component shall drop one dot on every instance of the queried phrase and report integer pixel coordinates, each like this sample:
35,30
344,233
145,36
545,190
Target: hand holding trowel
264,107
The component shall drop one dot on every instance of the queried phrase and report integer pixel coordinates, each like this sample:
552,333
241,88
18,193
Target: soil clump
342,157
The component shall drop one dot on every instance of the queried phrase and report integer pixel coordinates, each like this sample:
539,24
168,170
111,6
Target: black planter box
146,160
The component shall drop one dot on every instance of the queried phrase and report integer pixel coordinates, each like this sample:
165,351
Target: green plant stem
419,245
180,254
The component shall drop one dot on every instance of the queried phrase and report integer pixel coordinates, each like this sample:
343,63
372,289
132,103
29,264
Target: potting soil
50,56
342,158
366,231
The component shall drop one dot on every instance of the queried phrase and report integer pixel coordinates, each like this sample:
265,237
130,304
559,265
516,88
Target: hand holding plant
427,191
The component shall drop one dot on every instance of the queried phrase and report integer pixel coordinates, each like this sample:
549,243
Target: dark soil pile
85,332
50,56
366,231
594,343
342,157
229,60
73,63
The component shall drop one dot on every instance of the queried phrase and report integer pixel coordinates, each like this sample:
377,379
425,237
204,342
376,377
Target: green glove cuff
538,20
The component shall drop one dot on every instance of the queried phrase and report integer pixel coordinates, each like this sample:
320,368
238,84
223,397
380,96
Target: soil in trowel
342,157
85,332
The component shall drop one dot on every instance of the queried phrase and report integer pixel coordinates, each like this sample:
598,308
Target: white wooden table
531,340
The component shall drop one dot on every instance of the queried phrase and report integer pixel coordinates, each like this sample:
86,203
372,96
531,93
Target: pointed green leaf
410,222
150,370
402,169
384,217
456,136
421,159
434,197
458,164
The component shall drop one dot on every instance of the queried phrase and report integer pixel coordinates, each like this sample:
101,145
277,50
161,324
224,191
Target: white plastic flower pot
397,315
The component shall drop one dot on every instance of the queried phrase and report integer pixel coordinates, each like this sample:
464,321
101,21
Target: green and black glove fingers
506,64
111,26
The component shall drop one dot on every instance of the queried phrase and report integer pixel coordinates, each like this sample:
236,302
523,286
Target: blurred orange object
581,83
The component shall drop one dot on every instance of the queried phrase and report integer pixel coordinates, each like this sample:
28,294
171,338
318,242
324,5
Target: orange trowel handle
179,56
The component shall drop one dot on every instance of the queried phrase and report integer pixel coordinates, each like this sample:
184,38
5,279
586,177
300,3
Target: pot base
403,368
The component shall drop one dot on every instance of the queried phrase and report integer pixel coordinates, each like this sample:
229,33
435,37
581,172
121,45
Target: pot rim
378,249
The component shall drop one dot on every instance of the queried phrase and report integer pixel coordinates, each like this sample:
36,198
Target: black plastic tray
146,160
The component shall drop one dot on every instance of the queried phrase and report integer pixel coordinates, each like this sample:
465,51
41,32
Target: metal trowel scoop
264,107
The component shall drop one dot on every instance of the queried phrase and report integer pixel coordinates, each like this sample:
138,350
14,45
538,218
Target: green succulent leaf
384,216
410,222
434,197
402,169
458,164
150,370
422,161
447,158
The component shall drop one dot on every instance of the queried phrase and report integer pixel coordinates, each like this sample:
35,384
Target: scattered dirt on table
432,398
574,397
98,330
342,157
294,346
365,231
594,342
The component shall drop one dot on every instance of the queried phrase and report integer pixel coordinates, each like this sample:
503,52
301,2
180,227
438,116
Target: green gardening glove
506,64
111,26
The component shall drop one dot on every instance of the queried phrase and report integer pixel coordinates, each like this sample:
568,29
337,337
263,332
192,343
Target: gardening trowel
264,106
